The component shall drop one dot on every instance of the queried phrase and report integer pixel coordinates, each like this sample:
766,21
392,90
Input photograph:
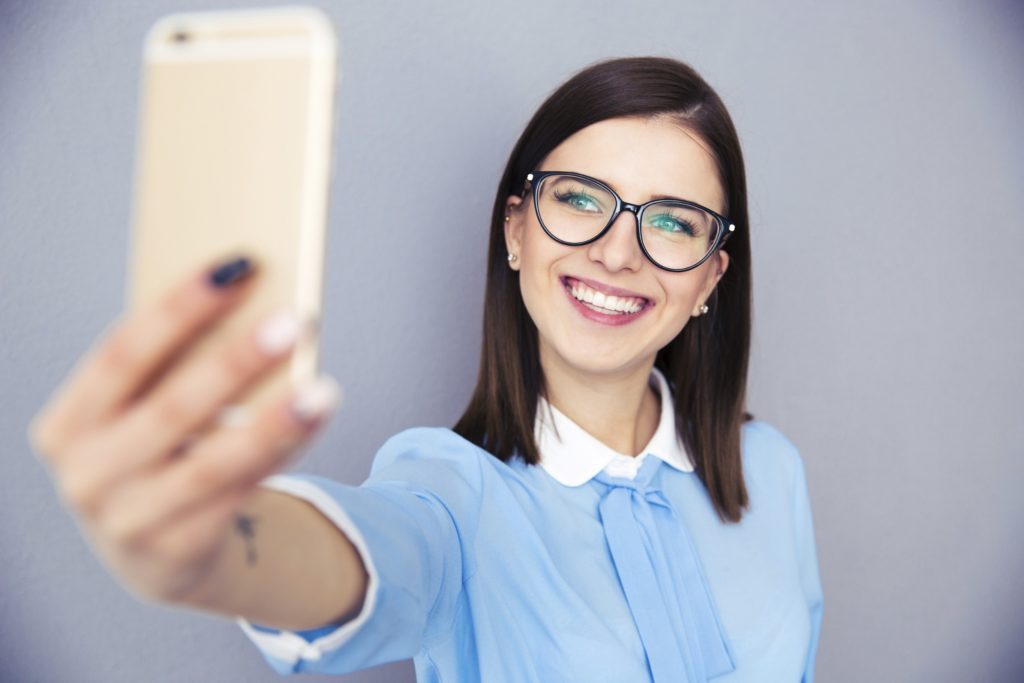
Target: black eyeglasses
674,234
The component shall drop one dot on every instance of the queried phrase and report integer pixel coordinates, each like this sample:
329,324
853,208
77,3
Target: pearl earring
703,309
512,257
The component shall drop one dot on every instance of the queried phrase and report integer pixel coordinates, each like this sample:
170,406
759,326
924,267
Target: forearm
285,565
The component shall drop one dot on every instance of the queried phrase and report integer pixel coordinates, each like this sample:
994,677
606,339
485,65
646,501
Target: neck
619,409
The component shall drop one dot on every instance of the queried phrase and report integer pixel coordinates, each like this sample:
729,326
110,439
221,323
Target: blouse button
623,466
311,653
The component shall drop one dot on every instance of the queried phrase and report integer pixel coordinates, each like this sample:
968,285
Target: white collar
577,456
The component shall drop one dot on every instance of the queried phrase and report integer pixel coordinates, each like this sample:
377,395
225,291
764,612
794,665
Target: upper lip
606,289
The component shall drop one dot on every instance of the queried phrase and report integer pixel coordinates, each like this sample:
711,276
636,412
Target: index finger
135,346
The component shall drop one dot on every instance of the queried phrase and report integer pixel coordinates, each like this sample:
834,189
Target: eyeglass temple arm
729,230
528,184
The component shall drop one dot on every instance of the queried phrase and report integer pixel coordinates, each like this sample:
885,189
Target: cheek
534,242
683,291
540,253
538,284
529,257
681,296
535,281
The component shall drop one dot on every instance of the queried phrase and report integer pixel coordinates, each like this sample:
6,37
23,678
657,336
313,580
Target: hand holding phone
131,441
234,147
234,156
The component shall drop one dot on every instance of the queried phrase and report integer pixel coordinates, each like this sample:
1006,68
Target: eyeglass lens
575,210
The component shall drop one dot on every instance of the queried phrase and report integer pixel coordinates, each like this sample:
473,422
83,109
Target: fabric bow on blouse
680,629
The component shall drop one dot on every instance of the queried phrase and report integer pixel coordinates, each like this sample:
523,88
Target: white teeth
619,304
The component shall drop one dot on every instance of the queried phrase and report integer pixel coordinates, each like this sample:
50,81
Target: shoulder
435,443
435,455
770,460
763,440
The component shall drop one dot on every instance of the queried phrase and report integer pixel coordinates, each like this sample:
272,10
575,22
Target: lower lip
603,318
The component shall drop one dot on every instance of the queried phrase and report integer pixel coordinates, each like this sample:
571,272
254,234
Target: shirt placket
677,631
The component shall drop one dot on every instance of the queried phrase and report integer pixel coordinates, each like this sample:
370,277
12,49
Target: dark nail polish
231,272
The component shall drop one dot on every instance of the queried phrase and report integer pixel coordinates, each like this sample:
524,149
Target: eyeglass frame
533,181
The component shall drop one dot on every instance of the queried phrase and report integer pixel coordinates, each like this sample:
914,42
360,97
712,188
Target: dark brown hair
706,363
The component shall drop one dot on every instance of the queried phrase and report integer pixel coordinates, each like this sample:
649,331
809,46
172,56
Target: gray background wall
885,165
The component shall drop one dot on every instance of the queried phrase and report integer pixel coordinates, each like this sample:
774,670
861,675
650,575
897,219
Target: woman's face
640,158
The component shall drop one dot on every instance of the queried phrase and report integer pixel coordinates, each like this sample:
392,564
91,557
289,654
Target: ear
715,273
514,228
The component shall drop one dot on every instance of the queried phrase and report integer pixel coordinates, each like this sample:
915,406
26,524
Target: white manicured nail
316,399
279,331
234,415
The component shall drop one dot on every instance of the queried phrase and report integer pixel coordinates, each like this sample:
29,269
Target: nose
618,248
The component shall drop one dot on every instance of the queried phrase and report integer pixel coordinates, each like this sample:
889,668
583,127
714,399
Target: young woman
605,509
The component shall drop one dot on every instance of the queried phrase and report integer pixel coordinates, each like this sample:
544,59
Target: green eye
579,201
668,223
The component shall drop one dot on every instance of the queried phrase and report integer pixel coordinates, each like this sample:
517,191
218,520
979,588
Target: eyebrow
676,199
654,198
668,196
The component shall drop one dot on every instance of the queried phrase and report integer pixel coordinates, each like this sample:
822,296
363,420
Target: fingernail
278,331
230,272
316,399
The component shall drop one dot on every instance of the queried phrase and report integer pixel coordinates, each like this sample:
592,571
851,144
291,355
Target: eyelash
685,226
571,193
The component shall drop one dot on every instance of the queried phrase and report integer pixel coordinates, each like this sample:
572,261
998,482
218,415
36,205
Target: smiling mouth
604,303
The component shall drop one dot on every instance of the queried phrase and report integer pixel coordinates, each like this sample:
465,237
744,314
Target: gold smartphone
234,154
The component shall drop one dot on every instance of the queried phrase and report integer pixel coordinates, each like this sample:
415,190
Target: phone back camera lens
180,37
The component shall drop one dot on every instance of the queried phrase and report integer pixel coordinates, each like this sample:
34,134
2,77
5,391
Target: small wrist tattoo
244,526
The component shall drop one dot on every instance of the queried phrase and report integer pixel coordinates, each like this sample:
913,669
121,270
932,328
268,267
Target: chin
597,359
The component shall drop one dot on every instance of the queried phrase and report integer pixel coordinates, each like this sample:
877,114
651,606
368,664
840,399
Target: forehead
642,158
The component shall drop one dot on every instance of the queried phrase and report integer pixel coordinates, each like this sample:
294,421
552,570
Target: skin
596,374
168,498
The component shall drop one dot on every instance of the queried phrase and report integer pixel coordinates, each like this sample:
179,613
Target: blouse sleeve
411,522
808,559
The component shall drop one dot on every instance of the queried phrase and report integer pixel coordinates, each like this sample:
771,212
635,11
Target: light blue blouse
594,566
